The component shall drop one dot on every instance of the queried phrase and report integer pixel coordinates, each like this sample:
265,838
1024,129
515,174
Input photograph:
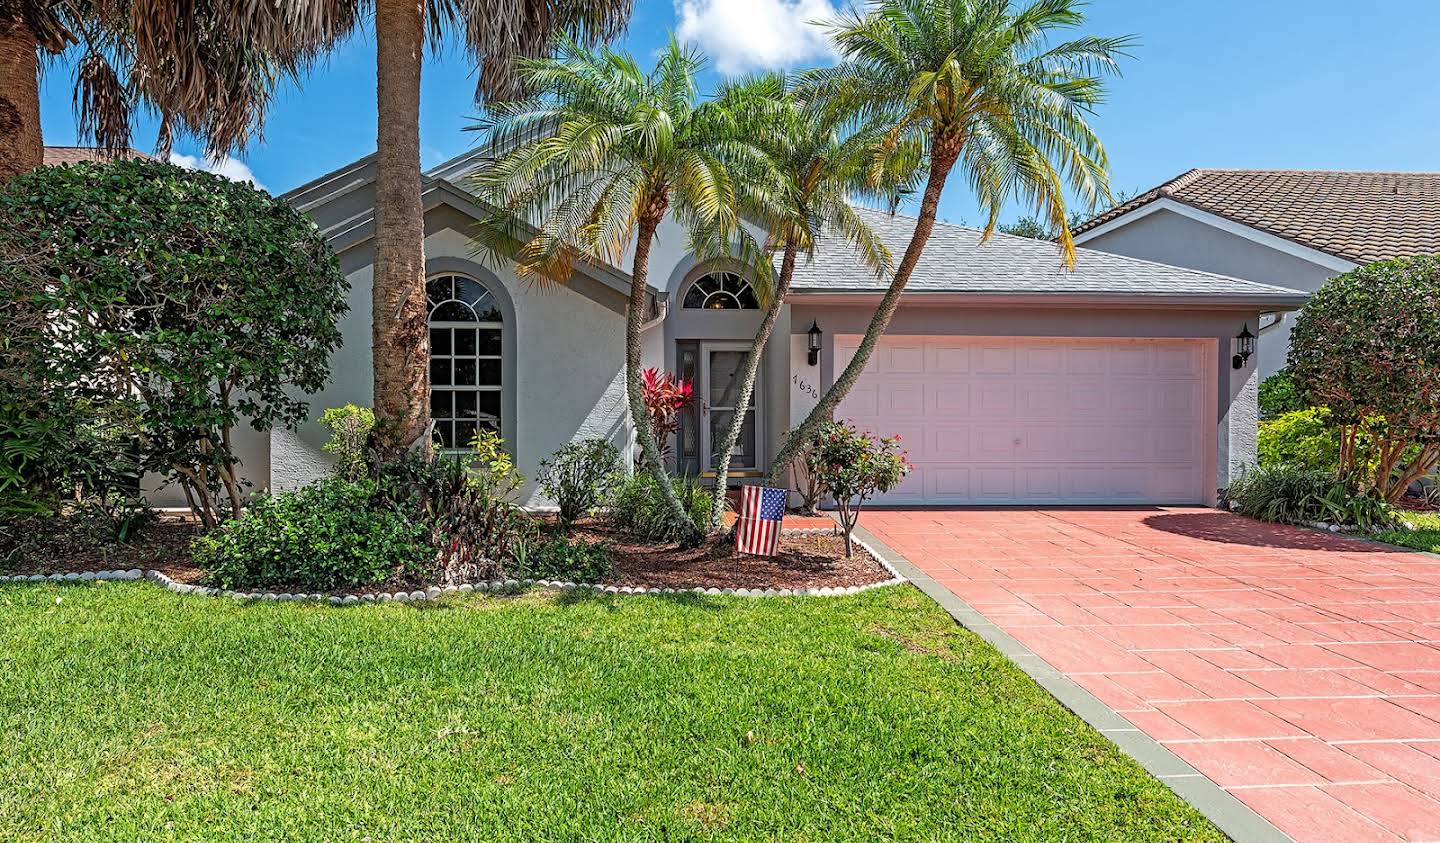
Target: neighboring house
1292,228
55,155
1011,380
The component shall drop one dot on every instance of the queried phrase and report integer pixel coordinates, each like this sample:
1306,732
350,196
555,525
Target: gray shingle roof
955,261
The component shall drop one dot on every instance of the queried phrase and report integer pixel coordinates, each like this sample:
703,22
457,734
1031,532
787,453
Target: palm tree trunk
22,148
399,330
749,372
942,160
634,318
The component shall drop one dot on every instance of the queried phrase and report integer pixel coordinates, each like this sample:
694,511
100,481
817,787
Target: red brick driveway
1299,671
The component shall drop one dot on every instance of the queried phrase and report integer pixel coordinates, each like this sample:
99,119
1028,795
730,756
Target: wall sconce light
814,334
1245,347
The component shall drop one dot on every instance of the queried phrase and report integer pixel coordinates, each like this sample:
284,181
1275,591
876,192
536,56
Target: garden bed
809,560
804,560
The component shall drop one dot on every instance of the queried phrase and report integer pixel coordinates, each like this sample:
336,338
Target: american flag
761,511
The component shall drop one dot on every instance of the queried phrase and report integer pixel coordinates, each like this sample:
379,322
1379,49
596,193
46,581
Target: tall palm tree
201,76
983,88
596,159
494,33
826,157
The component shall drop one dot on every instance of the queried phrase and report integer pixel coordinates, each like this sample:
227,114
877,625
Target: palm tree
826,157
983,88
596,159
193,70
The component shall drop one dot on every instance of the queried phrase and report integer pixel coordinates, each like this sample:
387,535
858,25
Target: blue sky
1327,84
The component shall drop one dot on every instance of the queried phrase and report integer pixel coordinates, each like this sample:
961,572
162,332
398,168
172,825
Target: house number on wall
804,382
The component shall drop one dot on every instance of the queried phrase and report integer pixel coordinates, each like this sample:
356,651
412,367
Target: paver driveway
1298,670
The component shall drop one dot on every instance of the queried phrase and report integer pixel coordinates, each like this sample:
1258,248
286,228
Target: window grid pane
465,359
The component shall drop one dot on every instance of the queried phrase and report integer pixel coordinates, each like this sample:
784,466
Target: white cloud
231,168
743,35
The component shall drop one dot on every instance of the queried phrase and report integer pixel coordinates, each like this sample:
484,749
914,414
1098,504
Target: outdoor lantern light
814,334
1245,345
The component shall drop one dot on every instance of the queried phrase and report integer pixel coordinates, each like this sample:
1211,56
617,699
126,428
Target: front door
721,365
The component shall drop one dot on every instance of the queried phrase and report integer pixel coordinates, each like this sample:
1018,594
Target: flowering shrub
853,466
665,395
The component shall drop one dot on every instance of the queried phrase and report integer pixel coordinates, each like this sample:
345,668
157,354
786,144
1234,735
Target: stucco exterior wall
1236,393
1168,237
568,368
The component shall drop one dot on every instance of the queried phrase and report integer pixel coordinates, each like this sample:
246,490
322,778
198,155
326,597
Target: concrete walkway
1299,671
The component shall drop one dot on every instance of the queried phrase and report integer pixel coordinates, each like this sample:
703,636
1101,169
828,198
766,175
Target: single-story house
1291,228
1011,379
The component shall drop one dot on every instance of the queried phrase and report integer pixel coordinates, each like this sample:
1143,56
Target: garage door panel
1040,485
903,398
903,358
1086,398
1040,445
995,359
1046,359
991,445
1045,399
1131,359
941,358
950,400
993,399
945,442
861,403
1184,360
1085,360
1012,420
994,485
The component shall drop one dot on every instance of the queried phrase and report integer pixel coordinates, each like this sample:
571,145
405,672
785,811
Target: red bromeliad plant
665,395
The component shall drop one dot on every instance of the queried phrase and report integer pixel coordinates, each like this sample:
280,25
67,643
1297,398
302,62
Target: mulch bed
812,560
66,545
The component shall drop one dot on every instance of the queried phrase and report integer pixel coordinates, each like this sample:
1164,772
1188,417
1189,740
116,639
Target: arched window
721,291
466,359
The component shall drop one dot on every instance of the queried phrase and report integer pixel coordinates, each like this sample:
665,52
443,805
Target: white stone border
433,592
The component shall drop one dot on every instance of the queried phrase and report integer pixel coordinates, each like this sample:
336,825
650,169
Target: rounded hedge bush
1366,345
325,536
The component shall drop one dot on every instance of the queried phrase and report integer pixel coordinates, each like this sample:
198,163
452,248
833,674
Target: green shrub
561,558
164,306
1305,438
1294,494
639,507
326,536
462,501
1278,395
581,476
1310,438
349,428
1367,344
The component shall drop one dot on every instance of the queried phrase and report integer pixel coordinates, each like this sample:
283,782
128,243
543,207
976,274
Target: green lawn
131,713
1425,536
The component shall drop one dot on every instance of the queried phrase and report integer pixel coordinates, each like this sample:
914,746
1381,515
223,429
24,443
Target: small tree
1368,344
853,466
171,304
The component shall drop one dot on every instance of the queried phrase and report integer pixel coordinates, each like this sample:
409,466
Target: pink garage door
1012,420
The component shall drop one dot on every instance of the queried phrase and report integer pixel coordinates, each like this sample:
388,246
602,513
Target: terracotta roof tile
74,154
1358,216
